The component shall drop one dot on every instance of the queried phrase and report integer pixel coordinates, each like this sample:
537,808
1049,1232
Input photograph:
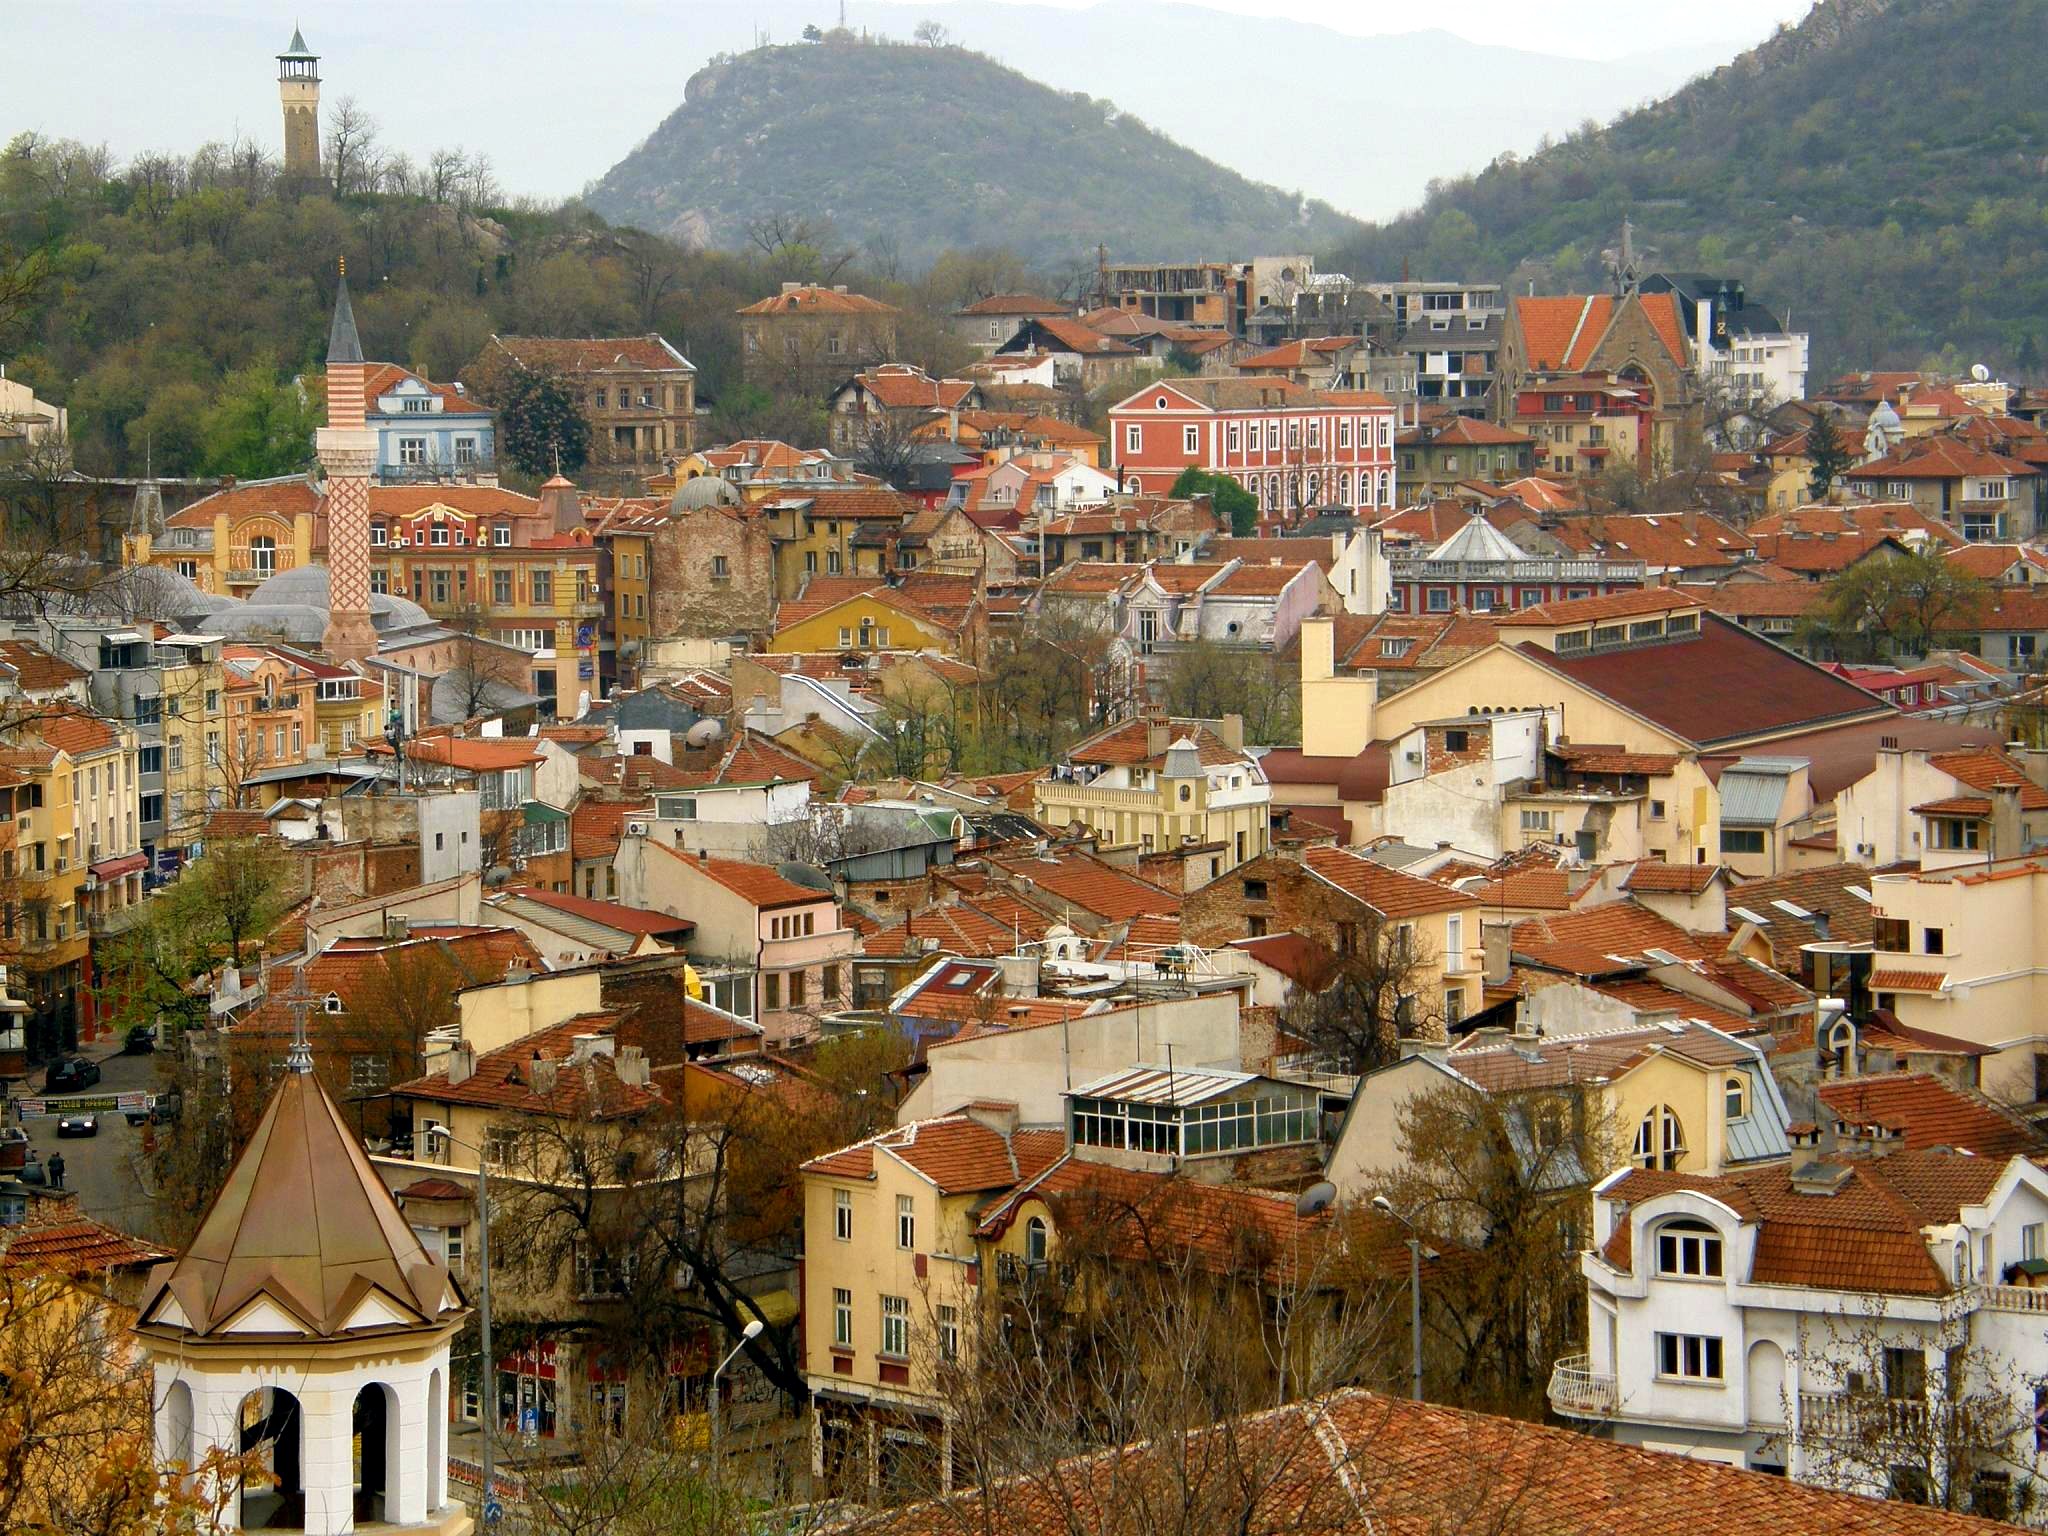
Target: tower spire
348,449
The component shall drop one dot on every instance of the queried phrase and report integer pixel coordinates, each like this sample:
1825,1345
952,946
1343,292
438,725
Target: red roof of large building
810,299
958,1153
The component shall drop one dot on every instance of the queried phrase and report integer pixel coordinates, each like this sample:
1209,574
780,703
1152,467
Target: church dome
704,491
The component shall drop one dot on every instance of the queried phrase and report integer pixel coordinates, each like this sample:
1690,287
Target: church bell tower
298,88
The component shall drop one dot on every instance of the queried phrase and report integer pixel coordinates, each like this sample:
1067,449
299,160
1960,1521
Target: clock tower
298,87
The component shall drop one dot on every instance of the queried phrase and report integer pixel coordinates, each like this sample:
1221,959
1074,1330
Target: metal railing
1578,1392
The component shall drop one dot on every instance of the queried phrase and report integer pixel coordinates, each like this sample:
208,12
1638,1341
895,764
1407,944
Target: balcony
1578,1392
1864,1417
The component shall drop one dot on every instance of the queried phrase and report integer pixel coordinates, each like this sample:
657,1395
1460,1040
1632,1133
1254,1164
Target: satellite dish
703,733
1319,1196
1980,373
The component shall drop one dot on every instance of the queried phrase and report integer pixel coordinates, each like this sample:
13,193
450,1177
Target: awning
538,813
114,869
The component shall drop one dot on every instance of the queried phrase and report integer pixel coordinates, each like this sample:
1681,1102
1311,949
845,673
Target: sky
557,94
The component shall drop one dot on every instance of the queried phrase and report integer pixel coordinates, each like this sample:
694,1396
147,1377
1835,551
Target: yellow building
827,618
192,713
1160,785
891,1281
1685,1097
233,541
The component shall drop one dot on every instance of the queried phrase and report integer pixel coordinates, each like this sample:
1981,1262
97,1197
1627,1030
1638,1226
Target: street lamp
751,1331
1416,1252
487,1391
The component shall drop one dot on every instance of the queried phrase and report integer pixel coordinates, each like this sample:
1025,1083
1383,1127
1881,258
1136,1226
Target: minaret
348,449
298,87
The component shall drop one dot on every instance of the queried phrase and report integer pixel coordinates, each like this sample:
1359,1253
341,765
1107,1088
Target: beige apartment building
809,339
639,393
1161,785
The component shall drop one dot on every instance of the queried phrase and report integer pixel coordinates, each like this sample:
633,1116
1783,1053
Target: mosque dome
704,491
305,587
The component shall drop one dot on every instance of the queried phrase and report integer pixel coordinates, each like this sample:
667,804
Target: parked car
140,1041
70,1075
79,1125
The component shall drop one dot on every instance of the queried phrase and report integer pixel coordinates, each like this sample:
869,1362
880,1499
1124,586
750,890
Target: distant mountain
1881,170
932,149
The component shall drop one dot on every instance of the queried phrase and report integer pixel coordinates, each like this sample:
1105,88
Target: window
501,535
1688,1250
1190,439
1344,432
896,1326
438,534
1954,833
949,1333
1535,821
1036,1235
842,1215
906,1222
465,451
149,760
413,451
721,568
1735,1097
378,534
1905,1374
1656,810
1133,438
501,588
1742,840
1891,934
149,709
453,1240
1660,1139
1688,1357
2030,1240
842,1318
543,584
1932,938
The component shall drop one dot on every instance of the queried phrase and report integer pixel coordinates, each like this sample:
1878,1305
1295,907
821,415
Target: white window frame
1133,438
842,1215
1190,438
906,1223
1695,1358
842,1318
895,1327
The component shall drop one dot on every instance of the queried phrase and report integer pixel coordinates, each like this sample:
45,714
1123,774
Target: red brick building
1292,447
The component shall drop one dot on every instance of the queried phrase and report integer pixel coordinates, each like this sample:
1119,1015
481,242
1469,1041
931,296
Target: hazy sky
556,93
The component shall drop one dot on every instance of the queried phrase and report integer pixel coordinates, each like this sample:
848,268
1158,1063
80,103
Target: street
102,1169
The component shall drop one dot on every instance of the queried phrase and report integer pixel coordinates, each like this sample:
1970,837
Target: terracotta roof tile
1928,1112
1388,892
810,299
754,883
958,1153
506,1079
35,669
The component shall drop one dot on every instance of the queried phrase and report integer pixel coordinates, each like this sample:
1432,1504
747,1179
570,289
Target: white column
406,1473
326,1459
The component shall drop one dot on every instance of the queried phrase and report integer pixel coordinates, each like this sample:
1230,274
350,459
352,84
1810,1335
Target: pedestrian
56,1166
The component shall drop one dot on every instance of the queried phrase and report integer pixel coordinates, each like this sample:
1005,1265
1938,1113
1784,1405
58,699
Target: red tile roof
592,354
810,299
958,1153
1864,1237
1928,1112
1015,304
753,883
596,826
1989,768
1084,881
80,1246
74,732
609,913
1388,892
35,669
473,754
506,1079
1591,610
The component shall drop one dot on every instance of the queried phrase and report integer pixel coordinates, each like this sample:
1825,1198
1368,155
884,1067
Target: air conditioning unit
636,829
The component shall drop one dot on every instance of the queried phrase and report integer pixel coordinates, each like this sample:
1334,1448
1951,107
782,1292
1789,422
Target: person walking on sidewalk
56,1167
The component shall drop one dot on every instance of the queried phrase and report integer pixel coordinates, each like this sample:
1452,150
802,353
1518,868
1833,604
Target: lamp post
487,1389
751,1331
1416,1251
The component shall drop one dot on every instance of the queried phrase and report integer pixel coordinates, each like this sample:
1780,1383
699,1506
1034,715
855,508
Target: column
326,1459
406,1473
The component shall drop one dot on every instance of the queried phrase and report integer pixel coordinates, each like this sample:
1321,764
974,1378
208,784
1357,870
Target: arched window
1034,1240
1735,1094
1660,1139
1688,1250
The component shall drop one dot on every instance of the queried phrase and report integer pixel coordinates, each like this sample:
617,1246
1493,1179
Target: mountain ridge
1881,169
931,148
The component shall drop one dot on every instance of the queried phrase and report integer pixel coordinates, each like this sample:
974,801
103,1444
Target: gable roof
957,1153
1925,1111
594,354
1388,892
810,299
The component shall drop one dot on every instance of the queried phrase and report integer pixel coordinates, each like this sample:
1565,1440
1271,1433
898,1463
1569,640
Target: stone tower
298,87
347,449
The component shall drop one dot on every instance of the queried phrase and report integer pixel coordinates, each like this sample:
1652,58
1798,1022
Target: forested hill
1881,170
917,149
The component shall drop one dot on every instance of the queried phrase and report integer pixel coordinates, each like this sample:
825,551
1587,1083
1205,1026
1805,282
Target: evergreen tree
541,426
1828,454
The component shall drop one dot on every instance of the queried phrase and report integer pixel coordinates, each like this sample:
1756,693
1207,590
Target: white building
1865,1324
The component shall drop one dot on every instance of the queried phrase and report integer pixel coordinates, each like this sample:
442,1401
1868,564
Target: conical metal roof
343,345
1478,540
303,1239
298,49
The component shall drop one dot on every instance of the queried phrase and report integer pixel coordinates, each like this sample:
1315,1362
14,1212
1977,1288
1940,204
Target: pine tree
1828,454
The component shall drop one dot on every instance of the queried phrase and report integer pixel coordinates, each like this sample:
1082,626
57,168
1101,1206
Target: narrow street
103,1169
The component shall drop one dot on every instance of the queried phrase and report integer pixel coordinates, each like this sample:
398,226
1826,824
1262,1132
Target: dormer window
1735,1097
332,1002
501,535
1660,1139
1688,1250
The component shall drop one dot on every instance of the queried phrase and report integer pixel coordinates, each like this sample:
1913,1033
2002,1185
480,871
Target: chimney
1158,737
792,287
999,1117
1233,732
632,1066
1318,649
2008,837
1804,1137
540,1073
461,1063
396,927
1494,940
1525,1022
2033,762
1820,926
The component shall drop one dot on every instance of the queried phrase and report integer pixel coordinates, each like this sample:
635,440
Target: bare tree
352,152
1385,988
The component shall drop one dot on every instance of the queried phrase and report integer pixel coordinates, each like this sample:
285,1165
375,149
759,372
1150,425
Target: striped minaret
348,450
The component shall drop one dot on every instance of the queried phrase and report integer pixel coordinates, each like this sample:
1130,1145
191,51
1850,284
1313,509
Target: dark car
140,1040
70,1075
79,1125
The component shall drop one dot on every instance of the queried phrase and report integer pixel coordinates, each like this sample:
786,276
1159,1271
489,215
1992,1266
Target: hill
921,149
1881,170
